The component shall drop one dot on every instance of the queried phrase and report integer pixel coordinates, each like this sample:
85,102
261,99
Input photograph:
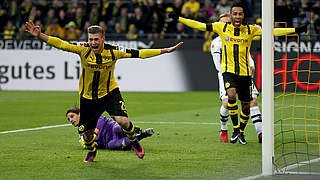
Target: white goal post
267,87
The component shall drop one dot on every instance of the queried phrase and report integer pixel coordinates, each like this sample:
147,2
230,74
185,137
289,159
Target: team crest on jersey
122,49
227,85
81,128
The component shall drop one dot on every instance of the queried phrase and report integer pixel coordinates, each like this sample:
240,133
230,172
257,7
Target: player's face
73,118
237,16
96,42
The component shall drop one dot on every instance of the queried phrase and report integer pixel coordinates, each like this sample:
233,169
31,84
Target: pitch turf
185,144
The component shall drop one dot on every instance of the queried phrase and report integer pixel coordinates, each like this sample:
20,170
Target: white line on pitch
32,129
141,122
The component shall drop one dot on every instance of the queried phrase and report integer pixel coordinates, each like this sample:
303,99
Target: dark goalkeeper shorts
91,110
243,85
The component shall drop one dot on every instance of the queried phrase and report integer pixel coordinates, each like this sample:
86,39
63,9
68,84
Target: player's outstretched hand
32,29
171,49
173,16
301,29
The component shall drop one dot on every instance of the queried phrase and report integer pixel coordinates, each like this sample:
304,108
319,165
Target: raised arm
189,22
193,24
284,31
147,53
35,31
144,53
53,41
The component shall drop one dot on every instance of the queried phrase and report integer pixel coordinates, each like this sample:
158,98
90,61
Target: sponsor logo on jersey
237,40
100,66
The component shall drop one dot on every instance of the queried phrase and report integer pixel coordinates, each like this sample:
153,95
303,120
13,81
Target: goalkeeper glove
301,29
173,16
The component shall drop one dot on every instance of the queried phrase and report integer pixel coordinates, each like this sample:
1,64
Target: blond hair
95,30
224,15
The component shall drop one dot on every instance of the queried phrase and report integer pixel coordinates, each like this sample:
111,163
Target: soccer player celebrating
109,134
216,52
98,89
236,41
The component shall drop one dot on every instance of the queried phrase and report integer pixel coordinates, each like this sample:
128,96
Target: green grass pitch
185,144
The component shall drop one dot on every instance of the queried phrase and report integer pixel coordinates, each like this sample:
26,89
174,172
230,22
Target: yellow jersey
97,77
236,43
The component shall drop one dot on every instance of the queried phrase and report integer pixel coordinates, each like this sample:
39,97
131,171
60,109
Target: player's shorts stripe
108,82
95,84
247,63
112,54
83,78
236,59
88,53
209,27
226,57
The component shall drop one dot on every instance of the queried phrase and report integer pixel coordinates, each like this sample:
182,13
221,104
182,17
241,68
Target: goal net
296,106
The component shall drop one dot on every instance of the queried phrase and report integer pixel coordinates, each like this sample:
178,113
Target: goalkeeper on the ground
108,133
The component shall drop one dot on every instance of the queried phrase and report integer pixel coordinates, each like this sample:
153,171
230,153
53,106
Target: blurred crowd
295,13
129,19
132,19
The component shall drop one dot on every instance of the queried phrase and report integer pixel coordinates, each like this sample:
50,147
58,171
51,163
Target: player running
236,42
98,88
216,52
109,134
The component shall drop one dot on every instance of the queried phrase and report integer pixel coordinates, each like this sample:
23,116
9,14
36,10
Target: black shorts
91,110
243,85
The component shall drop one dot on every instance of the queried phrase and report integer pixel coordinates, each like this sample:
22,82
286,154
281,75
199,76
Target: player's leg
224,113
90,112
144,134
117,110
245,96
119,143
224,116
233,111
120,139
255,114
128,129
230,84
244,117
